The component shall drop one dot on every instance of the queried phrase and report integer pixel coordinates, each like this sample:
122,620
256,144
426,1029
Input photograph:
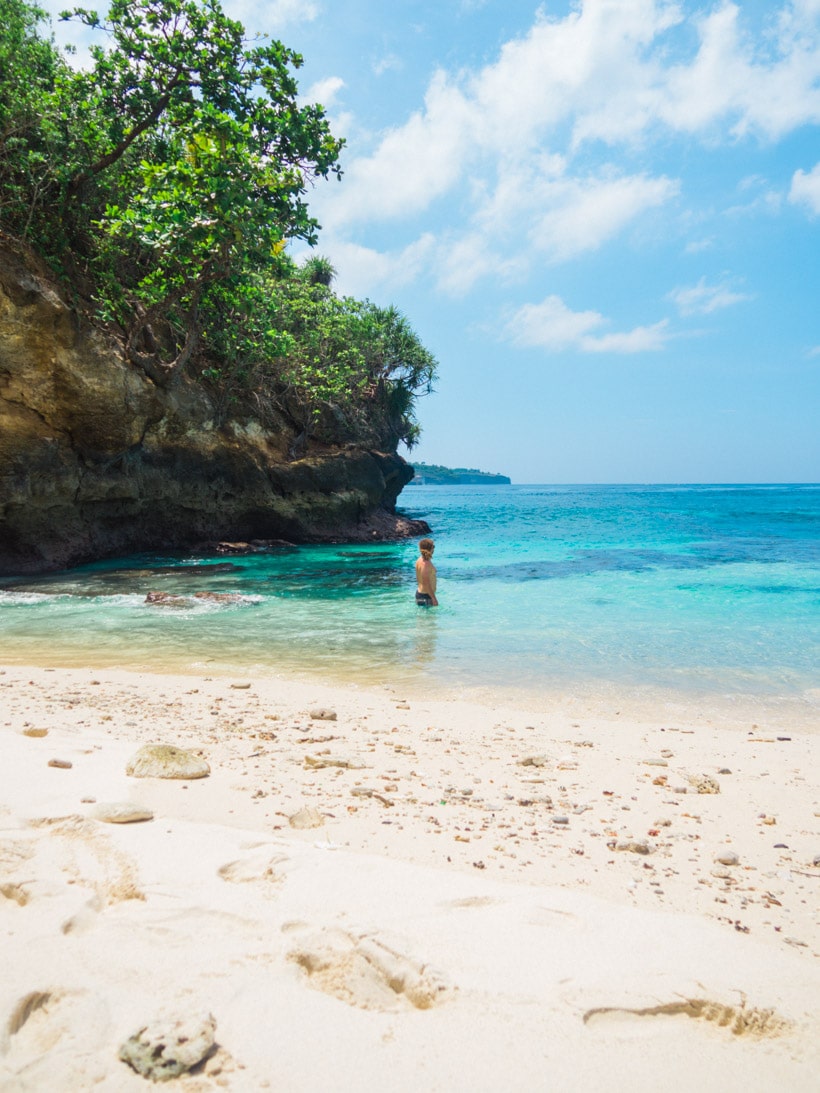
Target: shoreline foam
536,950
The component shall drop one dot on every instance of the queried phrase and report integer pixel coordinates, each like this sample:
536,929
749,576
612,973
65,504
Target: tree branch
120,150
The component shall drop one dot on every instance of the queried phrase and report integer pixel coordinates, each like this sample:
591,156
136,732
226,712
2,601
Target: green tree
29,67
351,370
213,153
164,183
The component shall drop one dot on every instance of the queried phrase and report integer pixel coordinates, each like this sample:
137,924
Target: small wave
200,602
16,599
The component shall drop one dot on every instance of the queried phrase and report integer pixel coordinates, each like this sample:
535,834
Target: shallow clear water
697,589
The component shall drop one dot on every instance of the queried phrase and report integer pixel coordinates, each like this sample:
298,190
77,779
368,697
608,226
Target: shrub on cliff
166,180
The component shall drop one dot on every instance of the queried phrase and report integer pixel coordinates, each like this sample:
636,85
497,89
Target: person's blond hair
426,546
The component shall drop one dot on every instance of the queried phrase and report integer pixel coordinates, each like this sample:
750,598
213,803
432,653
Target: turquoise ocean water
693,589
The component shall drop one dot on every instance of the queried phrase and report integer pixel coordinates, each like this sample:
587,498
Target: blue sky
603,217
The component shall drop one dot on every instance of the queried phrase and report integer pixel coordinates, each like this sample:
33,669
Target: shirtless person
426,575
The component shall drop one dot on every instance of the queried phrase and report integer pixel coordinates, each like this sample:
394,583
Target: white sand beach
491,898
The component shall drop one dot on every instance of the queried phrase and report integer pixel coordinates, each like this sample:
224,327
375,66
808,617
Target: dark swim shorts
423,600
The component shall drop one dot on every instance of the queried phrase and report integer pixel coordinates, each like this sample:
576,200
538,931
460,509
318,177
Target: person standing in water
426,575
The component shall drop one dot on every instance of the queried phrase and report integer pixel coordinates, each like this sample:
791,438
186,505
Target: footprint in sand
15,892
48,1022
470,902
88,857
739,1020
261,868
365,972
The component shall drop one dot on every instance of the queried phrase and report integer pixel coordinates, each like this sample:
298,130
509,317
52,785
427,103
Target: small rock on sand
632,846
35,733
121,812
727,857
166,761
322,714
169,1047
306,818
318,762
533,761
61,764
704,783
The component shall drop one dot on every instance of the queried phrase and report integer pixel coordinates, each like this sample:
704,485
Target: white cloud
769,90
362,270
703,299
696,246
805,189
586,213
412,165
519,140
273,15
391,61
642,339
324,91
461,262
552,325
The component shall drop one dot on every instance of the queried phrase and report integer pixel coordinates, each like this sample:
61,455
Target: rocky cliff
96,461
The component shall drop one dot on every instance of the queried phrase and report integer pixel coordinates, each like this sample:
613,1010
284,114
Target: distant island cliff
430,474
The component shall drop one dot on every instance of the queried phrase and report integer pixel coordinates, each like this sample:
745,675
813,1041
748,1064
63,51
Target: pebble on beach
121,812
727,857
704,783
166,761
306,818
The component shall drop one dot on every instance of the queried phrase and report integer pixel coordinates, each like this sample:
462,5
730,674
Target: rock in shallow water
166,761
170,1046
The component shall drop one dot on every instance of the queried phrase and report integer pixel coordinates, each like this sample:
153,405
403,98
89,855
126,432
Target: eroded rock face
96,460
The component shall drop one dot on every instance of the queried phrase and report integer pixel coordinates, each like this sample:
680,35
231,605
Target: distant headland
430,474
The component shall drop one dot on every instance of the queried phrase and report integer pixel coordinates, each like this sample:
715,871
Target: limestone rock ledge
96,461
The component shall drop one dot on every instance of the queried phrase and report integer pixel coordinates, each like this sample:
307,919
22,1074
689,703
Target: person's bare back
426,575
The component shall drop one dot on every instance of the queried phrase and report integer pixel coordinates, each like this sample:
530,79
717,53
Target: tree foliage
167,178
